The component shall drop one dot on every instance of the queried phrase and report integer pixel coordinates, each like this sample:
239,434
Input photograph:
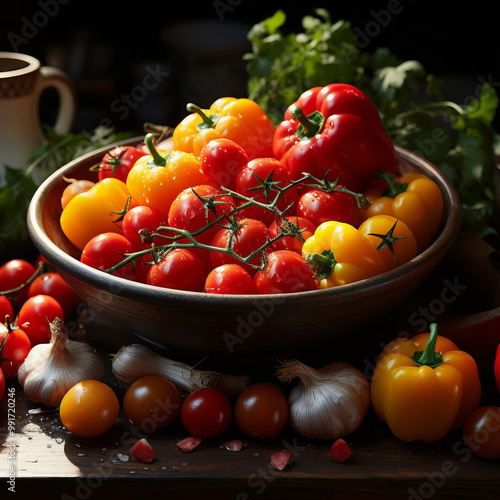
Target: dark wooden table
49,462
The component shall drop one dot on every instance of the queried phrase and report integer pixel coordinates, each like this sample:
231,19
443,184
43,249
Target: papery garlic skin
327,403
50,370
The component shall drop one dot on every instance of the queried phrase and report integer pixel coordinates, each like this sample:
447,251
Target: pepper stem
158,159
310,125
207,121
429,356
394,188
322,263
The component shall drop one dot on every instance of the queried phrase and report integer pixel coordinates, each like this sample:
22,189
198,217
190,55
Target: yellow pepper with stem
424,387
340,254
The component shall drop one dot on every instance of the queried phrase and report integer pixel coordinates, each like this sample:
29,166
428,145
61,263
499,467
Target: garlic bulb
135,361
327,403
50,370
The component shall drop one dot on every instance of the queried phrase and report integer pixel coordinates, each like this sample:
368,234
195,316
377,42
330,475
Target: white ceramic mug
22,81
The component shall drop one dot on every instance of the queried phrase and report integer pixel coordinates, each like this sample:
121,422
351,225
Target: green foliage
459,139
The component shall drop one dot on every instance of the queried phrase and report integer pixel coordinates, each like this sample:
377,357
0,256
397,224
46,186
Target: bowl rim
156,295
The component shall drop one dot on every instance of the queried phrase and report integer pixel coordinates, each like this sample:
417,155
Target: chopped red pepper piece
234,445
339,451
280,459
142,451
189,443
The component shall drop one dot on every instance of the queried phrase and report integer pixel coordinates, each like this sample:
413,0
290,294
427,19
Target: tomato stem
394,188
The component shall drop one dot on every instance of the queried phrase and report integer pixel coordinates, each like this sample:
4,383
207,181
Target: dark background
109,48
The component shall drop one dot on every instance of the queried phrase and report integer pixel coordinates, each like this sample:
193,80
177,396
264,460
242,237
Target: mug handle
59,80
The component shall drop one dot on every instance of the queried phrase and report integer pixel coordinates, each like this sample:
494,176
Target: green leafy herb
460,139
21,184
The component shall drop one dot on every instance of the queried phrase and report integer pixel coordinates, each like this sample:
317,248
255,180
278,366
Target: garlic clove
50,370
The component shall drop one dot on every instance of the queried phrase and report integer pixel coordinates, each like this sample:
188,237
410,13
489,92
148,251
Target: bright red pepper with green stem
335,130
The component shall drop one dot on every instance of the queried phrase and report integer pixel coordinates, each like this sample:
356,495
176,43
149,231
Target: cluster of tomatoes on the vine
31,296
259,220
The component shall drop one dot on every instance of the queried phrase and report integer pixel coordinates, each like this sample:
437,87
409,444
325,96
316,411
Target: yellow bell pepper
340,254
424,387
95,211
240,120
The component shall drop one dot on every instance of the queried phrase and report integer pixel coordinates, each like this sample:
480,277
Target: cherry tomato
285,272
319,206
51,283
393,239
107,250
293,243
73,188
482,431
250,235
6,309
14,273
249,182
180,269
119,161
142,217
35,316
152,402
15,349
206,413
222,160
261,411
189,212
89,409
230,278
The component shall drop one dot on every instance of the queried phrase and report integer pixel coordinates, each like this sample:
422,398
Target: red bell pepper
335,130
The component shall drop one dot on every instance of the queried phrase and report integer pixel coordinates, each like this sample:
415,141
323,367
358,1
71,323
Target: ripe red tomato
142,217
15,349
293,243
180,269
14,273
230,278
319,206
6,309
482,431
35,316
189,212
222,160
285,272
251,178
89,409
119,161
152,402
261,411
206,413
249,237
51,283
105,251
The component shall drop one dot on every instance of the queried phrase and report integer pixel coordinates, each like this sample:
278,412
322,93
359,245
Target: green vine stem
229,220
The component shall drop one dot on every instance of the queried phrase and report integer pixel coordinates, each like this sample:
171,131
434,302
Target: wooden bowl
229,323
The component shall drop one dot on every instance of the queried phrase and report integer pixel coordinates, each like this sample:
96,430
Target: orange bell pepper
156,179
240,120
424,387
413,198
